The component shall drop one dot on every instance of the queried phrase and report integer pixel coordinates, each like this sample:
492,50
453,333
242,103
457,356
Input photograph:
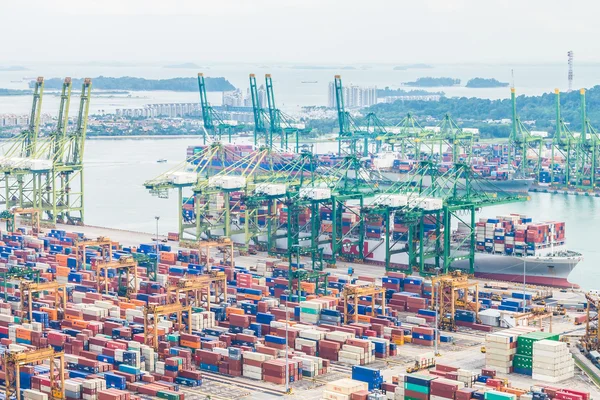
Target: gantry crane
196,291
214,125
591,339
351,141
537,314
58,290
589,148
259,113
125,268
351,295
65,196
520,142
155,312
104,244
281,124
451,292
13,362
18,181
10,216
566,143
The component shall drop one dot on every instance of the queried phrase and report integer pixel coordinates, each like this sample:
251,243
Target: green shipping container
525,342
410,398
494,395
173,338
521,361
416,388
309,311
163,394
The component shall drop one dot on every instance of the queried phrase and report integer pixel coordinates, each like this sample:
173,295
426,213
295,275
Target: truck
422,361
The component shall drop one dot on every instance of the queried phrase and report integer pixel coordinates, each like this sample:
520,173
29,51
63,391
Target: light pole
287,367
157,218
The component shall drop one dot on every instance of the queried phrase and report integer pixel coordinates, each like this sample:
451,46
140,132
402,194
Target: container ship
508,248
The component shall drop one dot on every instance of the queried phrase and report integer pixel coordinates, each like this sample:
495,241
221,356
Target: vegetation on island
142,84
387,91
433,82
14,92
10,68
485,83
538,111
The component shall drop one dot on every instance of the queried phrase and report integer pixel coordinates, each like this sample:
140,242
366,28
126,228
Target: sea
116,168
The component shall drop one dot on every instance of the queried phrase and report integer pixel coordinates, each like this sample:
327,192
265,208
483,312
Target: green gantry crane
214,125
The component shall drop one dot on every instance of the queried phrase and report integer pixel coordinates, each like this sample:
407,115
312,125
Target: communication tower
570,55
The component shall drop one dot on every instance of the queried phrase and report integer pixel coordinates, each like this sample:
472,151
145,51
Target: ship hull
546,271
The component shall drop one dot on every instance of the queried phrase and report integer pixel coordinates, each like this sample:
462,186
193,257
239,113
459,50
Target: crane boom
258,111
60,135
30,142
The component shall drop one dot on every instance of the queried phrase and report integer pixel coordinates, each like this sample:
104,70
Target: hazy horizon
315,32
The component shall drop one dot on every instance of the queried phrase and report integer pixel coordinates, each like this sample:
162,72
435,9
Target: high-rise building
354,96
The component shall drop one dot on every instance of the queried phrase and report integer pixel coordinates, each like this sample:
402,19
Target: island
485,83
433,82
412,66
14,92
10,68
387,91
188,65
142,84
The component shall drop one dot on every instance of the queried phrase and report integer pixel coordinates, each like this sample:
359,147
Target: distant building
354,96
173,110
262,97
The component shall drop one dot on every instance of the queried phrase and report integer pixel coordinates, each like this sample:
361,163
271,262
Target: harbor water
115,170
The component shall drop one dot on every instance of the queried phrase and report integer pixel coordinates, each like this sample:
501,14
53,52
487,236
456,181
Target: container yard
206,323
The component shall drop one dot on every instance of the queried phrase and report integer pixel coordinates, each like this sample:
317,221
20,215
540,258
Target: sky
299,31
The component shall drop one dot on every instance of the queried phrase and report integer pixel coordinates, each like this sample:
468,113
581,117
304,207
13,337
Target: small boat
310,82
162,160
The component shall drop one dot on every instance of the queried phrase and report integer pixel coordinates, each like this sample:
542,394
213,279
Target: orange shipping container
23,334
189,344
61,259
52,313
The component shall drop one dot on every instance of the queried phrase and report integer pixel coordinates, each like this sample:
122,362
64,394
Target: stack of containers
480,235
523,359
357,352
310,312
372,376
253,364
417,386
442,388
274,370
466,376
552,361
501,348
423,336
490,227
499,240
343,389
413,284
